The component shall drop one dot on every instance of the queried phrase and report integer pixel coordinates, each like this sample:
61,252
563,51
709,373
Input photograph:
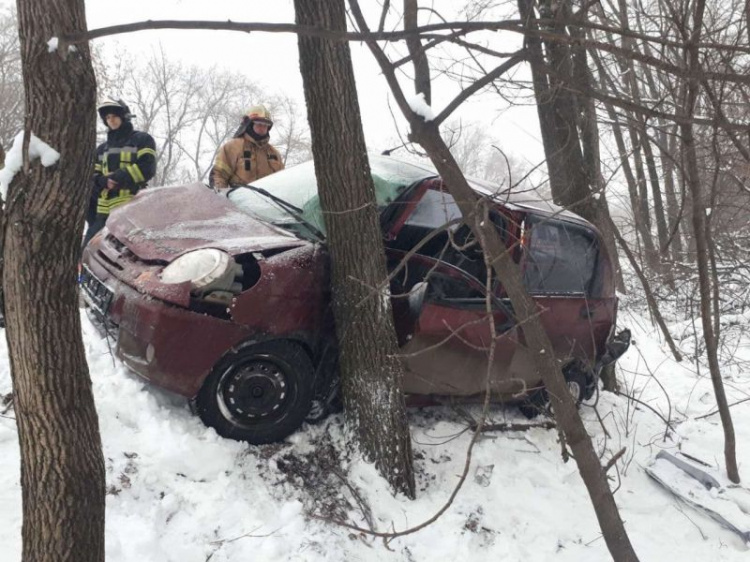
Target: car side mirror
416,298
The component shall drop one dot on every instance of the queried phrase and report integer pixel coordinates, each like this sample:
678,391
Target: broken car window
560,257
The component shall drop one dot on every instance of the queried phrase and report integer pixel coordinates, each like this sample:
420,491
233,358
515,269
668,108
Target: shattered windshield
298,186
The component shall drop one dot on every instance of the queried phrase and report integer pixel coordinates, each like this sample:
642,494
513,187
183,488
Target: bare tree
702,239
191,111
62,468
425,131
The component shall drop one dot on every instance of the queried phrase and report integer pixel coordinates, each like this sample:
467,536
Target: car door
446,343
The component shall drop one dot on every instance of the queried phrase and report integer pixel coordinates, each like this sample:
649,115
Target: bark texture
371,372
62,469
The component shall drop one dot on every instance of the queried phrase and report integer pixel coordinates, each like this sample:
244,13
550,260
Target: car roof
517,198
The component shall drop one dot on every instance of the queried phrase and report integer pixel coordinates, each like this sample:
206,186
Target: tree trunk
427,134
587,122
62,469
371,371
693,181
565,409
624,154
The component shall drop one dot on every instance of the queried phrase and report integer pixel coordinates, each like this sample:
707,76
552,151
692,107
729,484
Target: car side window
560,257
459,249
433,212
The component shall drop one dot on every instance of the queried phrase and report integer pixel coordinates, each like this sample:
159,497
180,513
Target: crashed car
226,300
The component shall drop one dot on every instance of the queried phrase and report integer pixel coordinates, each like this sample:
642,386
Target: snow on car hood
164,222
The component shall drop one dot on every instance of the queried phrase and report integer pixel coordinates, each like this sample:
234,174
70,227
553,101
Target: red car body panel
166,339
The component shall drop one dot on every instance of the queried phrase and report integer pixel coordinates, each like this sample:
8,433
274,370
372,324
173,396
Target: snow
419,106
52,44
178,492
14,159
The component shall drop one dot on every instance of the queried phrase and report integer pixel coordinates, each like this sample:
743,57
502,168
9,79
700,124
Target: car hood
161,223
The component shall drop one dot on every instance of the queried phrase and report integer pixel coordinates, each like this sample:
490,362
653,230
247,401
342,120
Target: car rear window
560,257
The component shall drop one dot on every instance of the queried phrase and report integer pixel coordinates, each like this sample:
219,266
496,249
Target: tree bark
587,123
62,469
371,371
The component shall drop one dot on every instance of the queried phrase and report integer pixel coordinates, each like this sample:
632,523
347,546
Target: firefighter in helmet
248,156
124,164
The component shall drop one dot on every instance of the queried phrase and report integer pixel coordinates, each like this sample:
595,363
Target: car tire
580,383
259,394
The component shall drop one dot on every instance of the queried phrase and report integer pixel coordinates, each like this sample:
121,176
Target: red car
225,300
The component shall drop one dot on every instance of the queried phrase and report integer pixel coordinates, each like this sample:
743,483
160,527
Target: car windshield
297,186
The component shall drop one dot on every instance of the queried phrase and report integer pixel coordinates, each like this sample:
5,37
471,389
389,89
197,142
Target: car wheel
259,394
580,385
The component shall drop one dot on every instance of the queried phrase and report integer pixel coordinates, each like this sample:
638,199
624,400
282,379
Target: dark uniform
128,157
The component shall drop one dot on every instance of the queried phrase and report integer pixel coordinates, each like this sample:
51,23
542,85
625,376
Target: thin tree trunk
703,247
587,122
653,305
427,134
422,82
371,372
641,226
565,409
667,158
62,469
674,212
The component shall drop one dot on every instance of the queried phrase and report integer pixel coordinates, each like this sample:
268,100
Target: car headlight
207,269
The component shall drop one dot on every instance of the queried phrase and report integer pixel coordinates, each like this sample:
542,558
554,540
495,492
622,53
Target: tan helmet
259,114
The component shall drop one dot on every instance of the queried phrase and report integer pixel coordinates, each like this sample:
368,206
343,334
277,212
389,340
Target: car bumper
169,346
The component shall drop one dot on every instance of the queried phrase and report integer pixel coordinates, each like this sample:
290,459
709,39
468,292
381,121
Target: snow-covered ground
178,492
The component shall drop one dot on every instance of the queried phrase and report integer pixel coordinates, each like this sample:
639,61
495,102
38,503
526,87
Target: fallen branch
515,426
614,459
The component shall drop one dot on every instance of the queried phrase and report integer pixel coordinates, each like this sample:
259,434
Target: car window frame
593,286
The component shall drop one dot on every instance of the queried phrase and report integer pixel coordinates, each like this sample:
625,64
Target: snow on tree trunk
62,469
371,372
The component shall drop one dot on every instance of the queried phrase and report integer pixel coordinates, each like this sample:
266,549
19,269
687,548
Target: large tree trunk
371,371
62,469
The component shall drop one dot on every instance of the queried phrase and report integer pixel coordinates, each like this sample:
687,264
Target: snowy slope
178,492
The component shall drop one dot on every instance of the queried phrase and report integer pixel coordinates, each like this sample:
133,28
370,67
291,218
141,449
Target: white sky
272,60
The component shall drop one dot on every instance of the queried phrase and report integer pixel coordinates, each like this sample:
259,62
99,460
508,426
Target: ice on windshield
298,186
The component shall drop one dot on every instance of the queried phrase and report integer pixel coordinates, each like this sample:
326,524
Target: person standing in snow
124,164
248,156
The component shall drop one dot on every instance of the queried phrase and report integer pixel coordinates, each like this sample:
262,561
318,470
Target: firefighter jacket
128,157
243,160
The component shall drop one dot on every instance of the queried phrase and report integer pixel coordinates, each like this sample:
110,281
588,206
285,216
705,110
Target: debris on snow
14,159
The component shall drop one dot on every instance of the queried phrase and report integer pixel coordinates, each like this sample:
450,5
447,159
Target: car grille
98,295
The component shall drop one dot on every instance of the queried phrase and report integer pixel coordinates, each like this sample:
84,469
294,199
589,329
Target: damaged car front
225,299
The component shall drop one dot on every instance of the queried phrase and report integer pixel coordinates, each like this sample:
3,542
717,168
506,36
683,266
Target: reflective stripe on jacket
128,157
244,160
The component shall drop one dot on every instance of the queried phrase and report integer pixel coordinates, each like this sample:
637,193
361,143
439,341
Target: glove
100,182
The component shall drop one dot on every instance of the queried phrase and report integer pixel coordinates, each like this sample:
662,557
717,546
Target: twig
614,459
642,403
717,411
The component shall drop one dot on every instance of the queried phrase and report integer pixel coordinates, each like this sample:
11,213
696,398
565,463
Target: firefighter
124,164
248,156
